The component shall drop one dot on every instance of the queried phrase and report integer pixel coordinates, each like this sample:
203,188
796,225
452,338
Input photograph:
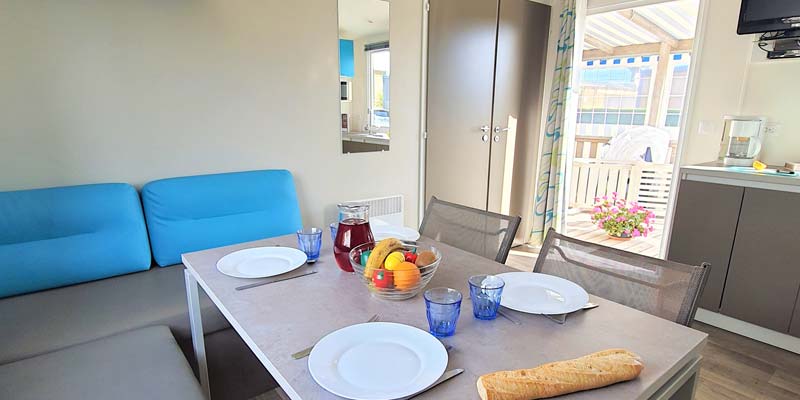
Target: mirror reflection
364,70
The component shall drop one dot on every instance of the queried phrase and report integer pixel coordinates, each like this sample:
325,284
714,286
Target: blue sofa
200,212
76,276
62,236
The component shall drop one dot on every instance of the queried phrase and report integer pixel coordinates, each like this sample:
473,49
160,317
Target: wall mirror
365,73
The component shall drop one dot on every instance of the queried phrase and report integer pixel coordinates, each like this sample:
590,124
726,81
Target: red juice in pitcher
352,232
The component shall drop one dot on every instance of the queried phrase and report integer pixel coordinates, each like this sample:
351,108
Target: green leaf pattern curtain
553,155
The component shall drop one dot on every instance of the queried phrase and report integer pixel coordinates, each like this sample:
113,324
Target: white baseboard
749,330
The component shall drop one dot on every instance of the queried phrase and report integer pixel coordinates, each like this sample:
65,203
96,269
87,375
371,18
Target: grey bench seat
42,322
141,364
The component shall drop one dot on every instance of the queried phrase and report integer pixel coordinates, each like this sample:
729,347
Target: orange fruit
406,275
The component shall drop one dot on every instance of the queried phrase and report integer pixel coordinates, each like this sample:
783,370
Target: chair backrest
480,232
663,288
201,212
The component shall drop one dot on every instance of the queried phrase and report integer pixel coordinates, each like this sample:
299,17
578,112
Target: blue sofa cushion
201,212
61,236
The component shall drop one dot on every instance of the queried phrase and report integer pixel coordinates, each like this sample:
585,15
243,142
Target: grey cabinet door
764,273
522,33
794,328
703,231
461,45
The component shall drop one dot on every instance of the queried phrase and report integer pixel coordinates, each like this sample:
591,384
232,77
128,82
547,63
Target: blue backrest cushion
66,235
201,212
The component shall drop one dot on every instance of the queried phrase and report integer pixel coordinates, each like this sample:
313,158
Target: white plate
381,232
541,294
377,360
261,262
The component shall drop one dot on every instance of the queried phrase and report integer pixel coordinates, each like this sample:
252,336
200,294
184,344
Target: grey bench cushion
42,322
141,364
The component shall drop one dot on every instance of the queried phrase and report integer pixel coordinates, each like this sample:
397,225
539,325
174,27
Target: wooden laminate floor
735,367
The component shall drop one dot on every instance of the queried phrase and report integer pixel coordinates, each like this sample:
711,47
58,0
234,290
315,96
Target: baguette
555,379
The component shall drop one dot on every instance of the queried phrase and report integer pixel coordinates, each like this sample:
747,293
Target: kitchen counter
716,172
365,137
744,223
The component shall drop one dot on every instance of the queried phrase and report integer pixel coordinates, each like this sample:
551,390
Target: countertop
716,172
366,137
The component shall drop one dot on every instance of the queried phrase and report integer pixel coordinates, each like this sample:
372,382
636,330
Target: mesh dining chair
662,288
480,232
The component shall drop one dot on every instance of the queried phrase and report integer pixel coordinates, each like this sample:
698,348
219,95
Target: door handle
498,129
485,128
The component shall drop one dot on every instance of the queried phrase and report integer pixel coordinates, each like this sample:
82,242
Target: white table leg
196,324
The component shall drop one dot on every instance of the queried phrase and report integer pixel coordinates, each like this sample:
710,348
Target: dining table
279,319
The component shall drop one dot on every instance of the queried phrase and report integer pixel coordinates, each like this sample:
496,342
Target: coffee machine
742,138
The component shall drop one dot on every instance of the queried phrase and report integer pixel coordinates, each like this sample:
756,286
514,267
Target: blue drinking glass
443,306
310,242
485,292
334,227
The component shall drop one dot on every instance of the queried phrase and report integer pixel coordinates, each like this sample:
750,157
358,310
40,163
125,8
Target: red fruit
411,257
382,278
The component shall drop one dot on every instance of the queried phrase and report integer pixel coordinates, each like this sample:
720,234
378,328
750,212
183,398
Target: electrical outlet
707,128
772,129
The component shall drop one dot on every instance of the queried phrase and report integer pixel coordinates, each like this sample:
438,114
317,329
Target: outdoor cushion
46,321
65,235
140,364
201,212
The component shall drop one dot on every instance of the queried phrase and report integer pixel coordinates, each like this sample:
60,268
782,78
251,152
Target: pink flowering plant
621,218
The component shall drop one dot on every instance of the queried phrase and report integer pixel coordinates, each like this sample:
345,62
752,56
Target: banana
379,253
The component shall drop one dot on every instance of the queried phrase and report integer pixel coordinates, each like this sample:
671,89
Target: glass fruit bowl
395,279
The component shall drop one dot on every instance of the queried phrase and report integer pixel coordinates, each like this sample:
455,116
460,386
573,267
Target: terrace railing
589,147
646,183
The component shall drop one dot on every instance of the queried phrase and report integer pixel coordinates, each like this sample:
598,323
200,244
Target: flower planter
621,237
620,219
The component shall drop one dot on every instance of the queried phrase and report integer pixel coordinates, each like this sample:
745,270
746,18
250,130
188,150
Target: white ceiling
360,18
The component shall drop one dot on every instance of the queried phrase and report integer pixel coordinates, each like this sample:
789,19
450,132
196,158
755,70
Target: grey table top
279,319
744,176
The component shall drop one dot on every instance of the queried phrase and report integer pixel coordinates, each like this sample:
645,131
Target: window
614,95
378,73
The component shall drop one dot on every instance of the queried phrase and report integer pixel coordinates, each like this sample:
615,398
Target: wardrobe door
522,34
461,47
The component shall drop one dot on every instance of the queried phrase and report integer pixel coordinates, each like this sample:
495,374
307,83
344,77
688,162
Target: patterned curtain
552,163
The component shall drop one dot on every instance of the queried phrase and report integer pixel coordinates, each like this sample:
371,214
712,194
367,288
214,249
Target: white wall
728,82
772,90
136,90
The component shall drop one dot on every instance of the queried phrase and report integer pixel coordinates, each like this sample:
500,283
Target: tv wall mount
782,44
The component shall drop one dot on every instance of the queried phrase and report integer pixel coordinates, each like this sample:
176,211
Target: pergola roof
672,23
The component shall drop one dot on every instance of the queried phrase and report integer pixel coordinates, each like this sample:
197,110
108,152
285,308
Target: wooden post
659,84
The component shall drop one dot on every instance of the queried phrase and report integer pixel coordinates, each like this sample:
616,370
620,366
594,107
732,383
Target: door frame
691,91
603,6
423,111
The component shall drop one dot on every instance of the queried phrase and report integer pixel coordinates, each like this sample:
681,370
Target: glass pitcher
353,230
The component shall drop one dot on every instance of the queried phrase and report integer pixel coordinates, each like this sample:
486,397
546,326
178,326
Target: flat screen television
758,16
